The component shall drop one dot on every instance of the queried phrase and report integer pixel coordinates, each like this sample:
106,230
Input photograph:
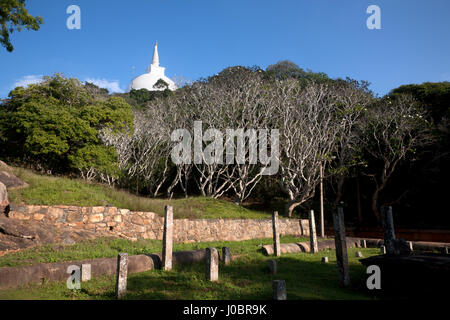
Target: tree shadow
248,279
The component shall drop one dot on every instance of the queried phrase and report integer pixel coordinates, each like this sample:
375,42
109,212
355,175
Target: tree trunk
290,206
375,204
358,199
340,186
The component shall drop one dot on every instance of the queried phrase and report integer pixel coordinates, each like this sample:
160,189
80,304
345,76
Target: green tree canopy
287,69
435,96
55,124
14,16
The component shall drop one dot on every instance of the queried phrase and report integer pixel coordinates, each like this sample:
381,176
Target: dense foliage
54,126
373,151
13,17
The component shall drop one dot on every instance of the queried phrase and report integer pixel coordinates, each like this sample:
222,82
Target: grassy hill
50,190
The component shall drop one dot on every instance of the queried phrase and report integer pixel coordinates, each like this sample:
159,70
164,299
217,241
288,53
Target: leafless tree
353,97
308,136
393,128
236,101
144,153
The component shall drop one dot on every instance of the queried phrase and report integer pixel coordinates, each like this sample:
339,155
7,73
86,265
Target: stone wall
111,221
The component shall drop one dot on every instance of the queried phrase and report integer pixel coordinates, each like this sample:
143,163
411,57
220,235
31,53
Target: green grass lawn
111,247
245,278
50,190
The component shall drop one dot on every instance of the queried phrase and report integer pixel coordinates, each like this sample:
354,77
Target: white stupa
154,73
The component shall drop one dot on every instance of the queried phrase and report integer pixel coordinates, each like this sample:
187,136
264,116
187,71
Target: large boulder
4,203
11,181
4,166
15,234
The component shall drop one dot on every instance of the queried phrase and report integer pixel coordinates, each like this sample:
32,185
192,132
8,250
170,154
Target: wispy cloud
112,86
27,80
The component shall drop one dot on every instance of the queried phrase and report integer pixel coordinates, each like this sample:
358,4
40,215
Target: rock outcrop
15,235
11,181
4,203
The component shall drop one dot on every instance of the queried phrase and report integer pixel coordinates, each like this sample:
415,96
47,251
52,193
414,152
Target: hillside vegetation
51,190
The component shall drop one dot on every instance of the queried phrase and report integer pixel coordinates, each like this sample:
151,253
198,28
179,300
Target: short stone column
167,239
325,260
411,246
312,233
341,246
122,272
383,250
279,290
212,264
387,222
273,267
364,243
226,255
85,272
276,235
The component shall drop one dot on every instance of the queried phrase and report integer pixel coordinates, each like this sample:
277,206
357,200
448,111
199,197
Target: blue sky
198,38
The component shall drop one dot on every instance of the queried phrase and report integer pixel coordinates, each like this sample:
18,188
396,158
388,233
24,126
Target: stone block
137,220
279,290
167,239
212,264
38,216
74,216
16,215
121,276
85,272
96,210
226,255
95,218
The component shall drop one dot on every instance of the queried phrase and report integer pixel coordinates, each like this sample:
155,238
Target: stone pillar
411,246
322,215
325,260
276,235
359,254
273,267
85,272
383,250
212,264
122,272
387,222
226,255
312,233
279,290
341,246
167,239
364,243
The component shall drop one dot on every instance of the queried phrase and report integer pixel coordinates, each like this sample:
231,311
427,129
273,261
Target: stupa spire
155,55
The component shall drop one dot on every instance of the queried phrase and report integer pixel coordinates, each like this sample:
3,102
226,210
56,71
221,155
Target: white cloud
112,86
27,80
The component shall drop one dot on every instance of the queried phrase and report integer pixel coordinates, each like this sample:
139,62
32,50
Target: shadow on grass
249,279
